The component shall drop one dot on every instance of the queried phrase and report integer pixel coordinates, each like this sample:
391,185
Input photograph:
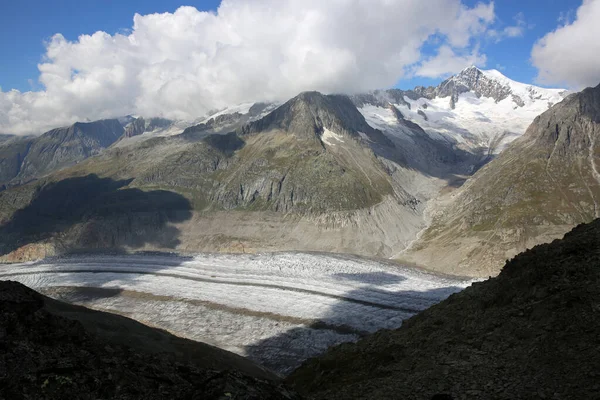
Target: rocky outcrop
530,333
135,127
140,126
53,350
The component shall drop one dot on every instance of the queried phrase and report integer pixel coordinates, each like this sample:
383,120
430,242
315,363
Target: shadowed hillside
530,333
52,350
92,212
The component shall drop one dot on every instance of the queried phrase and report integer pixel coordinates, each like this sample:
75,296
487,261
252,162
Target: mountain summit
475,110
309,114
492,84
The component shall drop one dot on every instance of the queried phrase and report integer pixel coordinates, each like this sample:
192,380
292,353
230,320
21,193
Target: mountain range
434,176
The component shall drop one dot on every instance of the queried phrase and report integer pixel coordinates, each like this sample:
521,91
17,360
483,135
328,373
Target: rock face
532,332
12,155
27,159
536,190
140,125
135,127
472,79
53,350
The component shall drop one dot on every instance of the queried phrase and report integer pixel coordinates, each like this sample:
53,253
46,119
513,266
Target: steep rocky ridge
536,190
54,350
530,333
12,155
29,158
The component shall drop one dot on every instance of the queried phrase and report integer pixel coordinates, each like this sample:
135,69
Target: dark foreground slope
52,350
532,332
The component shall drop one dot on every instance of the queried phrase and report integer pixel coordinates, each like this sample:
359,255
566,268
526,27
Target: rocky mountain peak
308,114
475,80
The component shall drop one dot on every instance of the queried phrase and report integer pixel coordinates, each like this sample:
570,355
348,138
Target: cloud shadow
90,212
360,313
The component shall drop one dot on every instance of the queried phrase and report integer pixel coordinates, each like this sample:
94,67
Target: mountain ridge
326,162
30,158
541,186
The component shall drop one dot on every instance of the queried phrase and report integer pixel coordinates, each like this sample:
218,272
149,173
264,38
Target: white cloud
447,62
182,64
566,17
570,55
518,29
511,31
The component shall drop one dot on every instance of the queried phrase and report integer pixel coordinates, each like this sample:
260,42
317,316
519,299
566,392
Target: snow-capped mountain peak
493,84
474,109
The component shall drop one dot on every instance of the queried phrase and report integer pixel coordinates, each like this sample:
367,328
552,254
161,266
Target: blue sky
26,24
513,54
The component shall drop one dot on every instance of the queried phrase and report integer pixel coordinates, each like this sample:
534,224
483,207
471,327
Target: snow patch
330,137
243,108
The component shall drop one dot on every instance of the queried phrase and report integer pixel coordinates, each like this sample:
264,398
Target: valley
280,231
300,200
275,309
365,174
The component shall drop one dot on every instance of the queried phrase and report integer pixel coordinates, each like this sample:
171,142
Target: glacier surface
277,309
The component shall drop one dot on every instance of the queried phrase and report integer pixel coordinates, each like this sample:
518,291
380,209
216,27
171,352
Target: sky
67,60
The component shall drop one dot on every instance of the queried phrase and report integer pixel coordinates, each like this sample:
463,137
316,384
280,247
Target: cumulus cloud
181,65
447,62
570,55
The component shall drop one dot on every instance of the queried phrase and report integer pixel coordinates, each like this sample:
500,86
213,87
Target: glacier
277,309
